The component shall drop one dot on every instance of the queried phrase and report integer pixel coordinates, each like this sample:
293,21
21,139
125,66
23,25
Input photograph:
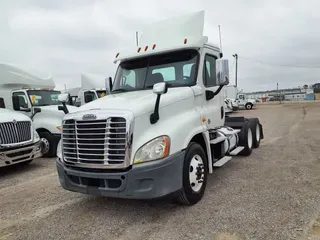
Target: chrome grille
11,133
101,142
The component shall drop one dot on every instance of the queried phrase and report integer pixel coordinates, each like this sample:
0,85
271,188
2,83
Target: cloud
67,37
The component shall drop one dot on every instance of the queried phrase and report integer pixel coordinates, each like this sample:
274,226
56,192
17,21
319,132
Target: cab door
213,108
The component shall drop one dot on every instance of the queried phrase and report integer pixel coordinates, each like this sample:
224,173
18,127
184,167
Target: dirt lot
273,194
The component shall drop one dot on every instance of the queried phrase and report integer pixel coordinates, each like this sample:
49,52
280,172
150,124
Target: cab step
222,161
236,151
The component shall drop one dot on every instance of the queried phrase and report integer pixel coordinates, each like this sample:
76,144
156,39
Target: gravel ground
273,194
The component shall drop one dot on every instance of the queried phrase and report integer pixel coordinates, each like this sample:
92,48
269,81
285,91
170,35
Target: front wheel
195,171
49,149
249,106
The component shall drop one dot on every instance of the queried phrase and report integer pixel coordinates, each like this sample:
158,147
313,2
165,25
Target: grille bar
15,132
96,142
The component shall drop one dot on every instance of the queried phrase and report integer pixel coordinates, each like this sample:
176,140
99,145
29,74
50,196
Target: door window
209,71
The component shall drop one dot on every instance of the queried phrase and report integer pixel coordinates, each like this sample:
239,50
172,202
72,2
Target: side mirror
63,98
16,103
159,89
222,66
109,85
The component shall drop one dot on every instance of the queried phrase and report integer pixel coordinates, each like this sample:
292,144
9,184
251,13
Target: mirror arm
63,108
33,114
218,91
154,117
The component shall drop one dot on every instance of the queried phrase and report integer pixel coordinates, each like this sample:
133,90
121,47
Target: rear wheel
256,132
195,171
246,139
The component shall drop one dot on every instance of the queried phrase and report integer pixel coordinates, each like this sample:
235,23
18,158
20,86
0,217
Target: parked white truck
19,142
23,91
162,129
238,98
92,87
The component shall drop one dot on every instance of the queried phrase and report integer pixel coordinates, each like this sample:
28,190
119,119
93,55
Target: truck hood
138,102
9,116
54,109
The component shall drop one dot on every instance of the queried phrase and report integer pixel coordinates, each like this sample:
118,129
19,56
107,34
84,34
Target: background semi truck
238,98
162,129
23,91
19,142
93,86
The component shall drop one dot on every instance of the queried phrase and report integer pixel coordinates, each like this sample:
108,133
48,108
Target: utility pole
236,57
278,92
137,38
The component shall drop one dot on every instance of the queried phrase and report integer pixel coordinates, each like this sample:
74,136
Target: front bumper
21,154
150,180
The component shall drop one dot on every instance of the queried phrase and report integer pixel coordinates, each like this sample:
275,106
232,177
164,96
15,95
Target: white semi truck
162,129
238,99
23,91
92,87
19,142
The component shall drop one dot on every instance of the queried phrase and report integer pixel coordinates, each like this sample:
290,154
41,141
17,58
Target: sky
66,37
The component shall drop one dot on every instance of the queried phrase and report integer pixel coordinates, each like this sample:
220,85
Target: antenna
221,54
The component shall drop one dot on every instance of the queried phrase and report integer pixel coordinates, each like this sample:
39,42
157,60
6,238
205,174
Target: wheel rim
46,145
249,106
196,173
258,132
249,138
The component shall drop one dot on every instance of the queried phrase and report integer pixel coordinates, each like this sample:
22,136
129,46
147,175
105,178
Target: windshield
176,68
101,93
43,97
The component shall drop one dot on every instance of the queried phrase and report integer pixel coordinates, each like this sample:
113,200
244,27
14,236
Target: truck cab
162,127
92,88
243,101
22,92
19,142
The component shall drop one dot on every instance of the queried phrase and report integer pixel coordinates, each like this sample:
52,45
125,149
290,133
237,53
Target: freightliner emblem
89,117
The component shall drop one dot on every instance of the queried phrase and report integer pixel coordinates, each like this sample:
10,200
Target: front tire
49,148
248,106
195,172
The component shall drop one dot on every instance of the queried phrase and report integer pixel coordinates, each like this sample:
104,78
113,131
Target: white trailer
23,91
19,142
238,98
162,129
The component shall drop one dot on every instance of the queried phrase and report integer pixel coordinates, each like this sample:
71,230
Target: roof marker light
185,41
154,46
117,55
146,48
139,49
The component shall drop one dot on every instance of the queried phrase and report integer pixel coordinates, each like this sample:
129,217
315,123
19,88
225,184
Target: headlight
59,128
59,151
157,148
36,137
